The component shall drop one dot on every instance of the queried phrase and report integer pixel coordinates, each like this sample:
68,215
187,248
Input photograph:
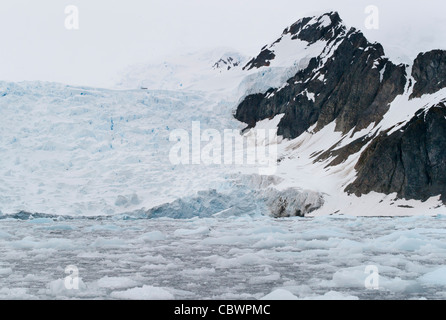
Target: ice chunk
57,288
52,243
116,282
105,227
269,242
333,295
4,235
143,293
41,221
154,236
245,259
323,233
15,294
273,277
5,271
350,278
199,272
435,278
108,243
61,227
188,232
280,294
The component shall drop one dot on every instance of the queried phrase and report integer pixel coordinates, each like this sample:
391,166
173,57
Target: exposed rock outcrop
410,161
429,72
354,86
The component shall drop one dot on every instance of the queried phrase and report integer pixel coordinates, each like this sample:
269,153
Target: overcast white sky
34,44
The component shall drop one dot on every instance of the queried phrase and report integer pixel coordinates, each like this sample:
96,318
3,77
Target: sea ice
143,293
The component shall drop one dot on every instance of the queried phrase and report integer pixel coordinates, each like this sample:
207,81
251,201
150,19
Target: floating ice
280,294
154,236
144,293
58,289
41,221
333,295
238,257
116,282
5,271
4,235
435,278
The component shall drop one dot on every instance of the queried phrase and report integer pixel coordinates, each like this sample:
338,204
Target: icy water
234,258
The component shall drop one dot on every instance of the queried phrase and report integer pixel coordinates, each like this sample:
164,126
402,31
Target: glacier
82,151
71,150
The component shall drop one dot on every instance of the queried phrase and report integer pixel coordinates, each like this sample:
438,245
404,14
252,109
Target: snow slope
204,69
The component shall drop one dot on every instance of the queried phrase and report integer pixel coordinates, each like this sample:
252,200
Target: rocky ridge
353,84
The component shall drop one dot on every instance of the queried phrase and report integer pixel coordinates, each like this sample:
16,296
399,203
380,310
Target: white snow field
231,258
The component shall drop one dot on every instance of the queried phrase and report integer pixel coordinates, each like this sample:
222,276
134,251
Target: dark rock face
429,72
354,87
226,63
247,113
320,30
262,60
340,155
410,161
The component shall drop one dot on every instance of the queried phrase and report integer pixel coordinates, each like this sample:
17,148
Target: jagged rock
325,27
339,155
354,86
410,162
226,63
429,72
262,60
292,202
352,83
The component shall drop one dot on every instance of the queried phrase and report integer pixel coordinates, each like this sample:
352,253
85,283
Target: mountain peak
228,61
388,119
305,32
312,29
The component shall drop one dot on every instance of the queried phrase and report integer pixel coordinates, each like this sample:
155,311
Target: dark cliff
354,87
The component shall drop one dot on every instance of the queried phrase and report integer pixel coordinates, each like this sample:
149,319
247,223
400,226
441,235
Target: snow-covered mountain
353,117
191,71
228,61
92,206
358,134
